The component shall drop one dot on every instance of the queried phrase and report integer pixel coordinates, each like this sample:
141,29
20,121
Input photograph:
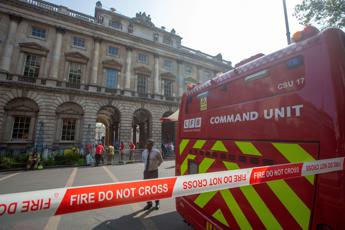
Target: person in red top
122,151
99,152
131,150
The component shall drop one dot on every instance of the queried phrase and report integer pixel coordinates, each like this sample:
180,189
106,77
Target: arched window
20,120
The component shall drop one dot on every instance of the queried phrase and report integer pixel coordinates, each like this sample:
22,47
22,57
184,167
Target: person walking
110,156
99,152
122,151
131,150
152,159
164,150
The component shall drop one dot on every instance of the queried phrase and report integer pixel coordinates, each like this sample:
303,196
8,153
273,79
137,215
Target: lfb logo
192,123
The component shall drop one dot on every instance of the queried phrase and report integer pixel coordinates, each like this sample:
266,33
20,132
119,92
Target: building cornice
94,27
82,93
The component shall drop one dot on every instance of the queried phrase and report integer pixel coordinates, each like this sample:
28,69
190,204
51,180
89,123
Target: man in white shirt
152,159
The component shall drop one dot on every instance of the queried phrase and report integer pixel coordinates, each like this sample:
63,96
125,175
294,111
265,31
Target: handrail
60,9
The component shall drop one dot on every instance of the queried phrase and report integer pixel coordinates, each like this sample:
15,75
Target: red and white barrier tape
75,199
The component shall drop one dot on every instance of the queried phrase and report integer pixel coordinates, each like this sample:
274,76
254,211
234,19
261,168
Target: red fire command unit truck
288,106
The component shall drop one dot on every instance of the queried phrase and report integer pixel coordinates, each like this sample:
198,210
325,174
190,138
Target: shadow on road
166,221
171,167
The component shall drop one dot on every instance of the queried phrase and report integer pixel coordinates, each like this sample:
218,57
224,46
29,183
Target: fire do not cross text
118,194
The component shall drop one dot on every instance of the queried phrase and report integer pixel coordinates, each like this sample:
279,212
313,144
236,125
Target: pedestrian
152,159
122,151
131,150
164,150
110,154
99,152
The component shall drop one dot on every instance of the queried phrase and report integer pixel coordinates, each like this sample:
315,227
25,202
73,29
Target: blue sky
236,28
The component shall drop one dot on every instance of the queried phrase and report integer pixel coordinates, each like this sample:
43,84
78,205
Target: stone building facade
62,71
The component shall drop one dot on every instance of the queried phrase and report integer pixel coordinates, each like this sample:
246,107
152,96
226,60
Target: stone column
9,43
199,74
95,62
156,77
181,83
20,63
127,80
54,70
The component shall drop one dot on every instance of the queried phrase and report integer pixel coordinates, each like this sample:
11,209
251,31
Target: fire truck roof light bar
255,76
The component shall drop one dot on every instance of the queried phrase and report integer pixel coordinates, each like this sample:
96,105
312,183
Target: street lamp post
286,23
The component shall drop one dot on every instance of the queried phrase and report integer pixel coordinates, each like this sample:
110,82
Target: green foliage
325,13
68,159
18,161
73,150
7,163
50,161
21,158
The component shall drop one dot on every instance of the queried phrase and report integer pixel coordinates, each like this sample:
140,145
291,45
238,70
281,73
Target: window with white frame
68,129
69,115
32,66
75,73
78,42
143,58
142,84
168,65
21,127
111,78
167,86
113,51
38,32
20,124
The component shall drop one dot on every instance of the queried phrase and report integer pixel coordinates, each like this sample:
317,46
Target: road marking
147,223
54,221
6,177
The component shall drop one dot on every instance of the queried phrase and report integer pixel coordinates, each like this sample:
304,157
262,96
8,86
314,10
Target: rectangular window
32,66
168,65
143,58
115,24
68,129
113,51
141,86
79,42
38,32
188,70
21,127
111,79
74,77
167,40
205,76
167,87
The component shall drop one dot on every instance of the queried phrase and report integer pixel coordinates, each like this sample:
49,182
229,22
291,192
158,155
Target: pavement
128,217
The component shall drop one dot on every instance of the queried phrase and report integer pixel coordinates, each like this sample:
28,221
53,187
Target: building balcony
27,79
74,85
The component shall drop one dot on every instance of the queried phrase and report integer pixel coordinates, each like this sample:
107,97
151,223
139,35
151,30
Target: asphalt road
122,217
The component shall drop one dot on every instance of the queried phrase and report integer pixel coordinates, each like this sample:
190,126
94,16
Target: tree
326,13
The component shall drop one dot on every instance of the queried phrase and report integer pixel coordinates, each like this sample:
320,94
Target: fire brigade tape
60,201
